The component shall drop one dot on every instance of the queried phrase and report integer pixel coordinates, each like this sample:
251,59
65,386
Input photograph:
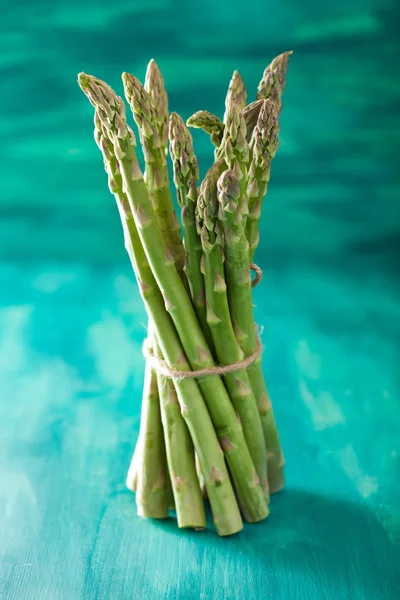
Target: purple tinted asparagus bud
143,112
111,117
184,160
148,120
264,144
237,91
228,191
154,86
273,81
250,114
234,147
186,174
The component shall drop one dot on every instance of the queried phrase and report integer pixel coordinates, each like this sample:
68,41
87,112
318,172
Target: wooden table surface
71,377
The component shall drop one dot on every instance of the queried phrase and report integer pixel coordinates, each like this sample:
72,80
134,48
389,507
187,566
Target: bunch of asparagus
206,435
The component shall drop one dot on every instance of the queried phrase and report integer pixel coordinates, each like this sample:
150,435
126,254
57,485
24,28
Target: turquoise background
72,323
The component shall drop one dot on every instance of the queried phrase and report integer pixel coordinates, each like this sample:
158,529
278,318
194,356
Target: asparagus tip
126,77
131,81
153,75
228,185
84,81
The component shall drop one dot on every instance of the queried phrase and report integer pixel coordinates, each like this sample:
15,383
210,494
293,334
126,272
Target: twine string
259,274
162,368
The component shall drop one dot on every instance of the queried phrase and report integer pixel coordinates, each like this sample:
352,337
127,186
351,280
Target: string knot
162,367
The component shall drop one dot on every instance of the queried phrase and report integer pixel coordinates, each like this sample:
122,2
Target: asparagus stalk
149,105
236,91
154,86
180,308
180,456
241,307
155,148
264,144
210,123
273,81
234,149
218,316
147,473
186,174
110,111
151,486
150,130
186,490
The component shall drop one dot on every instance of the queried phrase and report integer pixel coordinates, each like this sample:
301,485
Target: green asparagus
211,124
273,80
236,91
186,174
264,144
181,310
241,309
180,456
227,348
212,433
154,149
110,110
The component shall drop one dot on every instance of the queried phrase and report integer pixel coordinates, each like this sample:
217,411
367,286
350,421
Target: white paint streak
323,409
127,293
308,362
50,282
13,322
17,490
114,352
365,484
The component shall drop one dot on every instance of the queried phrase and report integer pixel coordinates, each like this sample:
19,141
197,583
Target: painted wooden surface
71,371
71,322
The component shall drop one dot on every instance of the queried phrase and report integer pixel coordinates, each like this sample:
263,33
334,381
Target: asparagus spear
155,149
149,105
236,91
264,144
273,80
241,307
187,494
227,348
180,308
154,86
234,149
155,165
180,456
186,173
147,473
110,112
151,486
210,123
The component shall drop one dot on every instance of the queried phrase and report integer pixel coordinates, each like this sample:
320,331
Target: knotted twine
161,366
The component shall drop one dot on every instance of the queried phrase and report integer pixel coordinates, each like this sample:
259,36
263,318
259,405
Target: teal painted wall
72,324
